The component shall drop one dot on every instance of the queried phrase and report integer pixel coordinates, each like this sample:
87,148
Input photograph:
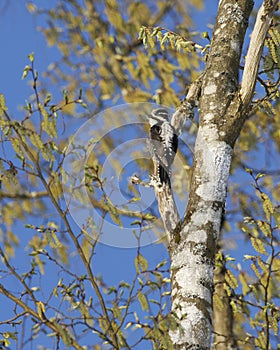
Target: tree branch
186,108
252,61
166,203
193,248
167,208
23,195
71,233
18,277
14,319
60,330
222,310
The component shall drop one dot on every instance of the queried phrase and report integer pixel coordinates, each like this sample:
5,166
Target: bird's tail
164,176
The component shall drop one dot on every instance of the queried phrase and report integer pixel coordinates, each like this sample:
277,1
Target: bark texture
222,311
193,254
167,208
223,109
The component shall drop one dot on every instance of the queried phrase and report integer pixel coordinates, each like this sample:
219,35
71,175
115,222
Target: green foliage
272,59
141,264
254,301
116,67
38,148
150,36
102,45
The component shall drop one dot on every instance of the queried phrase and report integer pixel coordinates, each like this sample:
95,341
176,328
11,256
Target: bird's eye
158,129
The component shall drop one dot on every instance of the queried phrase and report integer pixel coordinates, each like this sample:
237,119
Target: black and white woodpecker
163,144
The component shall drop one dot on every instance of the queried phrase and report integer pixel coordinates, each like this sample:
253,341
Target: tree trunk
222,311
224,107
193,252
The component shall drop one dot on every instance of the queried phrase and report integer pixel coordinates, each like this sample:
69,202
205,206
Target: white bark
193,249
192,265
167,208
223,111
263,22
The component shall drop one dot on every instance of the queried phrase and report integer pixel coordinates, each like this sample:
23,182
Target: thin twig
36,315
80,251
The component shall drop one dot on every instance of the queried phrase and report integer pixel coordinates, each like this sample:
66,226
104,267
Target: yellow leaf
262,265
244,283
41,310
2,105
36,140
114,213
231,279
143,301
17,147
218,302
31,7
265,228
141,264
255,269
258,245
267,206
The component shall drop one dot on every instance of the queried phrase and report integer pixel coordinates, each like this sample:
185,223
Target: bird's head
158,116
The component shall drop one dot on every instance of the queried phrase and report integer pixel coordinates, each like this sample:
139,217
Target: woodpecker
163,144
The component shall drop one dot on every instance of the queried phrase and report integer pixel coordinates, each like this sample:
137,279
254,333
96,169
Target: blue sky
18,38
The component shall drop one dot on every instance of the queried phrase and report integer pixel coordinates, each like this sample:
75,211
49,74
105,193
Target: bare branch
166,204
186,108
24,195
167,208
14,319
255,50
71,233
60,330
18,277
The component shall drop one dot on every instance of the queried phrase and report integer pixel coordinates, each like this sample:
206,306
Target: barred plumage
163,144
